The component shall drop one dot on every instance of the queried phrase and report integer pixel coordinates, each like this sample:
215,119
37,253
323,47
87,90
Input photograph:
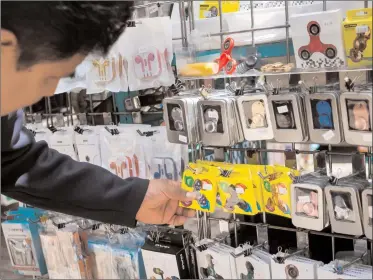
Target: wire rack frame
204,219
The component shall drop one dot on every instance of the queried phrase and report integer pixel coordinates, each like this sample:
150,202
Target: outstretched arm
33,173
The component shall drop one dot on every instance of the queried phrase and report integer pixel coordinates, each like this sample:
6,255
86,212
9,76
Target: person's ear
8,38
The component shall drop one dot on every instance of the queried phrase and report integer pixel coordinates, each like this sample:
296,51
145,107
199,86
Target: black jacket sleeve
33,173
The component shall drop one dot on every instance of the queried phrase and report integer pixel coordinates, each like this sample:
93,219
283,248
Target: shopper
42,42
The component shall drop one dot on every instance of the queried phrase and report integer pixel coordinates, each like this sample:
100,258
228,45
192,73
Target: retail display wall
264,137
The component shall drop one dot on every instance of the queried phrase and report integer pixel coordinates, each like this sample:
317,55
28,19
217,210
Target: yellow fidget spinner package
276,191
251,171
202,179
357,33
236,194
209,9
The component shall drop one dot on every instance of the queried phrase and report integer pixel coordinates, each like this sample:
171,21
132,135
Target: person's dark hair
55,30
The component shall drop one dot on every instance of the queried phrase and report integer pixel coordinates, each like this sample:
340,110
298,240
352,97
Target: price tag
240,190
183,139
341,212
282,109
153,9
362,29
304,199
370,212
223,226
328,135
207,14
206,186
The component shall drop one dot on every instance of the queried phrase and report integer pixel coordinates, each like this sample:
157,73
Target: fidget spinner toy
324,112
342,212
360,43
315,45
258,115
309,208
291,271
209,272
360,113
250,271
225,60
284,119
211,117
202,199
177,117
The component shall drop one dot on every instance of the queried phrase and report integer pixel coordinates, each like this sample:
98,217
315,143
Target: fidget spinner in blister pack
254,113
180,116
288,118
356,109
366,197
363,34
344,205
164,168
308,202
218,120
323,117
198,186
315,45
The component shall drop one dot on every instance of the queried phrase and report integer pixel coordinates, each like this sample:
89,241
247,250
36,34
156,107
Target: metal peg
60,122
82,119
107,118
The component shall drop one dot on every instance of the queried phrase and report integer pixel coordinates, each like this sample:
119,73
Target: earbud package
288,118
324,123
62,140
219,122
106,73
356,109
64,252
355,271
23,243
122,152
253,266
113,260
308,202
179,114
317,39
87,143
216,262
344,205
164,261
167,159
366,198
148,59
254,113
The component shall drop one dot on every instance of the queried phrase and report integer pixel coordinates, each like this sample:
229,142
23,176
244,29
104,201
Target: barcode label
206,186
183,139
304,199
328,135
282,109
362,29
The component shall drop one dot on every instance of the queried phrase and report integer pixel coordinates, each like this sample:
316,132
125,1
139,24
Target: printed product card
317,39
164,261
276,191
301,268
215,263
